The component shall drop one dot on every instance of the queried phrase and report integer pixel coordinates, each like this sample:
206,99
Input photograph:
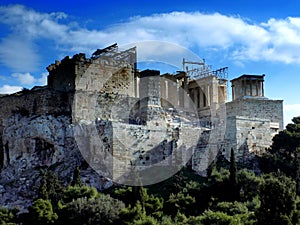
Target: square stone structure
252,119
247,123
126,105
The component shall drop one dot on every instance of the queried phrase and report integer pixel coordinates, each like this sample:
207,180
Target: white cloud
290,111
7,89
239,38
292,108
42,80
24,79
18,50
18,53
29,80
31,24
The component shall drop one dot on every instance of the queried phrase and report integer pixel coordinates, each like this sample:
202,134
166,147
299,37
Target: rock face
33,143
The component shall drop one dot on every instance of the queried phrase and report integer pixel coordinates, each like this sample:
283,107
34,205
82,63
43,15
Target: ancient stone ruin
104,111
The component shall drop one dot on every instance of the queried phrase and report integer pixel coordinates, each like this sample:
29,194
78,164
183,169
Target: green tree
278,198
97,211
150,204
76,181
7,217
284,153
231,208
41,212
140,194
248,184
233,177
180,202
147,220
125,194
43,190
218,186
75,192
50,187
154,206
237,210
131,214
216,218
287,142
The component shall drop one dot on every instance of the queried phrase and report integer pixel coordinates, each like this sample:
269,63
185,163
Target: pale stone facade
252,119
144,117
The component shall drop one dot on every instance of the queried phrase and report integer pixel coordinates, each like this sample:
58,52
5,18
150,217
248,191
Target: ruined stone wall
106,78
150,96
132,146
63,73
37,102
169,91
251,124
116,107
208,93
257,108
150,88
152,146
99,90
248,136
254,135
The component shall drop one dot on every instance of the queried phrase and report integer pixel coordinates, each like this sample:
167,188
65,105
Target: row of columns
248,87
200,96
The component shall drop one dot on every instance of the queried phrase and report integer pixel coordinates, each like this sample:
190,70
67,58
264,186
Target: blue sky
252,37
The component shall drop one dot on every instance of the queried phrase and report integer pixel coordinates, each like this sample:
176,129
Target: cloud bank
290,111
24,80
273,40
8,89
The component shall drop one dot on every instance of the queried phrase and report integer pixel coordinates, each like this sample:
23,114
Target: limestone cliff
33,143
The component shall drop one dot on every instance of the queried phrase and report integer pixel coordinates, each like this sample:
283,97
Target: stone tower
252,119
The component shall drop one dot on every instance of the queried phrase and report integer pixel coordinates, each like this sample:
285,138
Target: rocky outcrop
31,144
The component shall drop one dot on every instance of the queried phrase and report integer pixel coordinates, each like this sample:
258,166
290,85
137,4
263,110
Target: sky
248,37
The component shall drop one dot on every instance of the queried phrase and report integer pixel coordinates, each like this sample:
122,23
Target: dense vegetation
230,195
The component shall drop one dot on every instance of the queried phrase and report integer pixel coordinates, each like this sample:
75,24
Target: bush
96,211
7,217
75,192
248,184
231,208
278,200
216,218
180,202
41,212
148,220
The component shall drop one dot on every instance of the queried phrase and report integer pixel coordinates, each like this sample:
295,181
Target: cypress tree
233,177
76,181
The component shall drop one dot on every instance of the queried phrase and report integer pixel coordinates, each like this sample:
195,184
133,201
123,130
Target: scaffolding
201,69
111,56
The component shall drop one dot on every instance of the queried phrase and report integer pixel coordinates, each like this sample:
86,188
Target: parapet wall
262,108
62,74
251,124
248,135
37,102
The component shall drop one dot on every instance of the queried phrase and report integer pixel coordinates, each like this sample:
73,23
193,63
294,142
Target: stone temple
112,112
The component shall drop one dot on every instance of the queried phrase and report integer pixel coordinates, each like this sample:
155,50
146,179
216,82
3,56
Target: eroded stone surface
103,111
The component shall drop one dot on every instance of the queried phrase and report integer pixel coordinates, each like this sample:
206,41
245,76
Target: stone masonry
122,118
